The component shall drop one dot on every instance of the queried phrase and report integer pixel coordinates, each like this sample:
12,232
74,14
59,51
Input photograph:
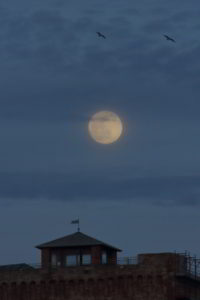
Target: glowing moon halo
105,127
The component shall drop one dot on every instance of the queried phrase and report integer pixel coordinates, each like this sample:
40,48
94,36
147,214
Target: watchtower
75,250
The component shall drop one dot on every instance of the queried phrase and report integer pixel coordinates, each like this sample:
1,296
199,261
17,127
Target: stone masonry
161,276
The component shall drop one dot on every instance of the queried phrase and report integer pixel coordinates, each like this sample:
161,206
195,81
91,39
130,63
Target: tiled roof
77,239
15,267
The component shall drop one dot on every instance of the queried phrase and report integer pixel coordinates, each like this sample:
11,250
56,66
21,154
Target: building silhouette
77,249
79,267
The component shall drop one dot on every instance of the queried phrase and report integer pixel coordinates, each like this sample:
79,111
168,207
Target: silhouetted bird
169,38
101,35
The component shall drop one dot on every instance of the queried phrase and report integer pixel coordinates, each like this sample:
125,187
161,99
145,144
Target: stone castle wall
148,280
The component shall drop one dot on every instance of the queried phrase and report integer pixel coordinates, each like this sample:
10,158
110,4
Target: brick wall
89,284
61,253
148,280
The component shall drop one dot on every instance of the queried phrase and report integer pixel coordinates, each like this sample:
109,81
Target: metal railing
181,263
188,265
128,260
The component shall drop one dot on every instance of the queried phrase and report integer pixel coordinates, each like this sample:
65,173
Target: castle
79,267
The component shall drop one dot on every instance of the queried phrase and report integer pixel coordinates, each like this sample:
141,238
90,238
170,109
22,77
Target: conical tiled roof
77,239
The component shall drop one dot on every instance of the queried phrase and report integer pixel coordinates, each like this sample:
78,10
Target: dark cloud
47,37
76,186
55,69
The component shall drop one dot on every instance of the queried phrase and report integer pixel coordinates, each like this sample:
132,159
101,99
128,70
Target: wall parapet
177,263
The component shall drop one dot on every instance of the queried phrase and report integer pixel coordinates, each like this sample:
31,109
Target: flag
75,221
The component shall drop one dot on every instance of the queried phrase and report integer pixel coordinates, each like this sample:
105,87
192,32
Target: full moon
105,127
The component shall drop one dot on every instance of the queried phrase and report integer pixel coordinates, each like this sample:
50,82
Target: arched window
43,290
4,290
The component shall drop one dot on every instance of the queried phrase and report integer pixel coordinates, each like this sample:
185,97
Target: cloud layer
56,73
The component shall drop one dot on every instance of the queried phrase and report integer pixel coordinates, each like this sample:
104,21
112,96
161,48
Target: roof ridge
76,239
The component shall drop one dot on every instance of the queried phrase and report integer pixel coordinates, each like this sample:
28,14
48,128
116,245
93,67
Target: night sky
141,193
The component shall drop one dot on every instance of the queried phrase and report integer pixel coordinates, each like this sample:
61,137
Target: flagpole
77,221
78,225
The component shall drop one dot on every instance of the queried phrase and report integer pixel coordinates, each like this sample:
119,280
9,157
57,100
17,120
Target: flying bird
169,38
101,35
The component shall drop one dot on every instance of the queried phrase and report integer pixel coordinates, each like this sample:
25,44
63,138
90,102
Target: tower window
86,259
104,258
55,260
72,260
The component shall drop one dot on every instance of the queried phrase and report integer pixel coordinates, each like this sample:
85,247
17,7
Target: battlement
150,276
